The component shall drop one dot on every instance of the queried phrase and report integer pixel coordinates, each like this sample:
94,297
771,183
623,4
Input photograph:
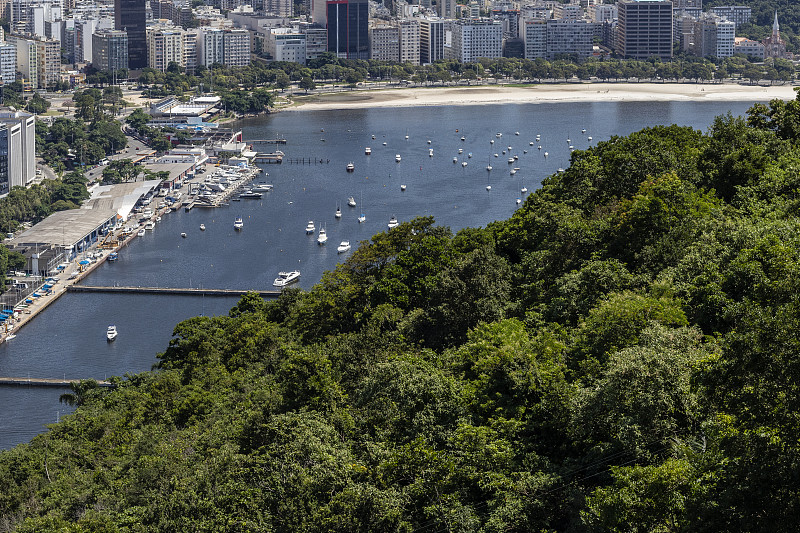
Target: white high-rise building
384,42
534,37
21,148
165,46
236,47
473,39
286,44
8,62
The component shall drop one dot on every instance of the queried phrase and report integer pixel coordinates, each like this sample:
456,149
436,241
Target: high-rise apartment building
569,38
384,42
165,46
131,16
348,28
644,29
737,14
713,36
472,39
17,147
235,47
409,41
534,37
110,50
8,62
286,44
316,41
432,34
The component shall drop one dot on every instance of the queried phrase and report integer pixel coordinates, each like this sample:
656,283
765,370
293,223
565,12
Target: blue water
68,339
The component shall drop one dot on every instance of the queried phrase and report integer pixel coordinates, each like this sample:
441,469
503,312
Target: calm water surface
68,339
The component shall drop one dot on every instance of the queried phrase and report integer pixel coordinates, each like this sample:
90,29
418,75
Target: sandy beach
545,93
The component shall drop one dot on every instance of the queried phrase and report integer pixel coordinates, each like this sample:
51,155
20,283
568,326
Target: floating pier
266,141
275,158
183,291
47,382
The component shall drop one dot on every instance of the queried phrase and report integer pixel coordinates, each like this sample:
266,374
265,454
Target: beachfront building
110,50
384,42
285,44
348,28
229,47
472,39
409,35
712,36
569,37
748,47
432,34
644,29
534,37
737,14
316,41
38,60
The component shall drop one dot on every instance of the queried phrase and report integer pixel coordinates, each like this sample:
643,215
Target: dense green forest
620,355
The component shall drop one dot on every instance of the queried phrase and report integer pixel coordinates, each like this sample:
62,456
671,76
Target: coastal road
129,152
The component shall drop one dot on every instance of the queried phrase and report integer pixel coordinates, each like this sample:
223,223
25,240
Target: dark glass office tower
129,15
348,28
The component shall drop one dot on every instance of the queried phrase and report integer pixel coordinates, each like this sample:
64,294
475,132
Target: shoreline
538,93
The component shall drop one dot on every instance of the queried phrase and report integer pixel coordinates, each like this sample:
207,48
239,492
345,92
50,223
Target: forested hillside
621,355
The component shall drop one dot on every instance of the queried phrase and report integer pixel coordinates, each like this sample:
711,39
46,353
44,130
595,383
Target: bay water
68,339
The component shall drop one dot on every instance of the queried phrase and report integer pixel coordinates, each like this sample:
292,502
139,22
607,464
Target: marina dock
183,291
267,141
275,158
46,382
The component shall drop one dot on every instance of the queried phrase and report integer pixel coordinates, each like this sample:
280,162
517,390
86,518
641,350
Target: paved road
134,146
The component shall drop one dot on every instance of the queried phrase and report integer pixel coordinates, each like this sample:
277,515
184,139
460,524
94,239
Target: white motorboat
140,233
202,227
322,238
498,135
589,139
463,138
250,194
545,154
469,155
238,223
343,247
511,160
362,218
430,152
310,227
262,187
183,235
158,219
150,226
111,333
491,141
455,160
286,278
397,158
489,167
583,130
338,212
368,150
429,141
523,190
402,187
393,223
463,163
350,167
351,202
513,171
519,201
530,143
384,144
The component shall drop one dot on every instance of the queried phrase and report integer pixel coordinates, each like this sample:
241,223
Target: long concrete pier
46,382
171,290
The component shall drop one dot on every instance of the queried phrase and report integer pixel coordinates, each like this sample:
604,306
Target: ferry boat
238,223
111,333
350,167
310,227
343,247
286,278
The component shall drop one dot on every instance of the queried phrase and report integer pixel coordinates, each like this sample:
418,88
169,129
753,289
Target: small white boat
513,171
183,235
402,187
286,278
202,227
113,256
350,167
489,167
519,201
491,142
338,212
351,202
406,136
262,187
150,226
397,158
429,141
545,154
569,140
393,223
373,137
384,144
250,194
497,155
310,227
530,143
140,233
498,135
488,187
368,150
158,219
111,333
343,247
322,238
589,139
523,190
460,150
583,130
362,218
238,223
516,133
463,163
455,160
463,138
430,152
511,160
469,155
